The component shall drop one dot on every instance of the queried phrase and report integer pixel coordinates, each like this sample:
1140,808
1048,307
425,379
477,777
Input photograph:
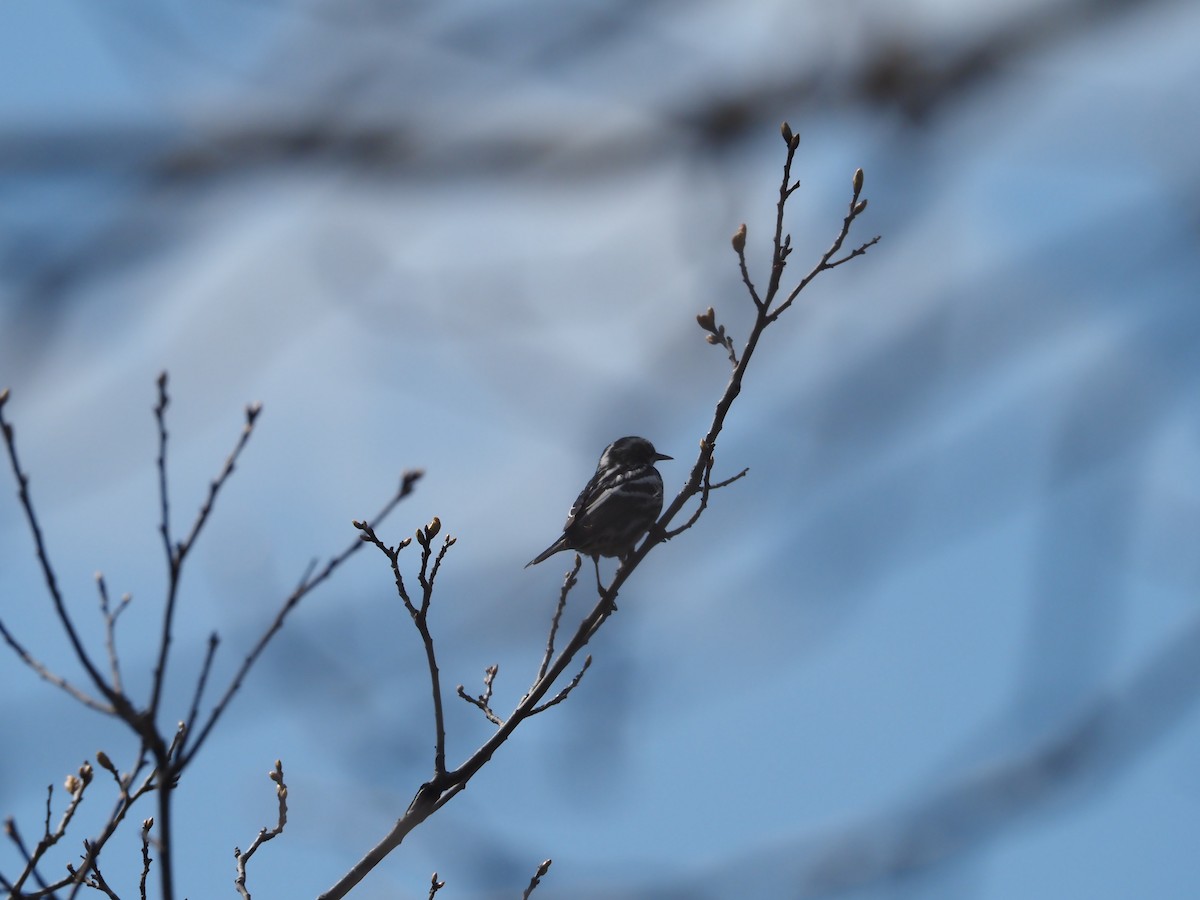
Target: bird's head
629,451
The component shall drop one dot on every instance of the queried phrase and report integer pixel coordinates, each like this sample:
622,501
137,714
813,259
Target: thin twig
435,886
160,417
739,247
537,878
484,700
124,804
147,824
210,653
48,575
75,786
857,208
178,553
264,834
569,581
110,627
706,488
14,835
419,616
565,692
97,882
42,671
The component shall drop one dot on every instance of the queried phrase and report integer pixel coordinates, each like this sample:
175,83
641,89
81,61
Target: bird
616,507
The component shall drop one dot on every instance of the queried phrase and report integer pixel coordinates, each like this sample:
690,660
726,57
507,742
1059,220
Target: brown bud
433,528
3,396
72,784
147,824
707,319
858,180
712,339
85,772
739,239
786,130
859,207
104,762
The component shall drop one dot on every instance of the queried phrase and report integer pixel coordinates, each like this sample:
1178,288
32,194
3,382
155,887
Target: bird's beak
659,457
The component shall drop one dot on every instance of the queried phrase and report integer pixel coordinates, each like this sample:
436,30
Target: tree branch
435,793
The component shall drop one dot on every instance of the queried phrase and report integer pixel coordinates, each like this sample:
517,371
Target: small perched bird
617,506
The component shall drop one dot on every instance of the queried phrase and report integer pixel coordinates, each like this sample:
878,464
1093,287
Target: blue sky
936,644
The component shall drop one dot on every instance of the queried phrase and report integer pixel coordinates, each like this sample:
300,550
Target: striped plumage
617,506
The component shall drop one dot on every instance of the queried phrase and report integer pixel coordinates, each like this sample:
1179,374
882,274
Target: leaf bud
739,239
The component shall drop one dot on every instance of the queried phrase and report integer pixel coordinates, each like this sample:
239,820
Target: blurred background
944,639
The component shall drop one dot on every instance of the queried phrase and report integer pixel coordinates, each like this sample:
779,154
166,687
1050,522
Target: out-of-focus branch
51,580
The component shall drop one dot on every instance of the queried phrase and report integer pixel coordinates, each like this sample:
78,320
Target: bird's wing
590,499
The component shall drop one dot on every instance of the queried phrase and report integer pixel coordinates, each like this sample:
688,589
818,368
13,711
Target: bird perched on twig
617,506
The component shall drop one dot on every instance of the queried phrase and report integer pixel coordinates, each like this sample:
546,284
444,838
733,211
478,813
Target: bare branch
75,785
569,581
857,208
483,701
264,834
706,488
178,553
43,672
205,668
424,537
48,575
160,417
435,793
14,835
110,625
562,695
717,335
125,803
147,824
739,247
96,880
537,878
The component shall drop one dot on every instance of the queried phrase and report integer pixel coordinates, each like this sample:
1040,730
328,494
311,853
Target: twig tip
739,239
